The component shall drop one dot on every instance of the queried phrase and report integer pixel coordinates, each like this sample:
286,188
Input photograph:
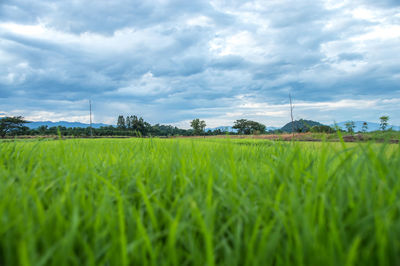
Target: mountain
299,124
371,126
271,128
36,124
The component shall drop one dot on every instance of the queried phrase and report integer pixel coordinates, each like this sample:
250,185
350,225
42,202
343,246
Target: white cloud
50,116
242,43
146,85
201,21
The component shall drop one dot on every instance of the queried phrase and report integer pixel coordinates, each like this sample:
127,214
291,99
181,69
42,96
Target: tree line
130,125
133,125
384,123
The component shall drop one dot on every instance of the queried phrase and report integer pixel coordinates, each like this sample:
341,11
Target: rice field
199,202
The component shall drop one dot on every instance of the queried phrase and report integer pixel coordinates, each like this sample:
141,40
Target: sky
173,61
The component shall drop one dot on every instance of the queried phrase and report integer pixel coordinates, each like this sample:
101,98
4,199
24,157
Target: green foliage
364,127
167,130
322,129
387,135
198,126
384,122
121,122
300,126
248,127
11,124
198,202
145,130
350,126
138,125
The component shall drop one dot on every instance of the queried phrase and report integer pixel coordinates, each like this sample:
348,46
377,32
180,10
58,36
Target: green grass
198,202
386,135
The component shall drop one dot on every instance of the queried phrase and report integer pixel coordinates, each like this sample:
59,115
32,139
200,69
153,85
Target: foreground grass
198,202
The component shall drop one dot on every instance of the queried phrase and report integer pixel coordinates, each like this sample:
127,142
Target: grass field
198,202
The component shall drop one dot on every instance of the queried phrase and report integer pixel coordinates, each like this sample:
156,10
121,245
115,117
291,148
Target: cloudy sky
172,61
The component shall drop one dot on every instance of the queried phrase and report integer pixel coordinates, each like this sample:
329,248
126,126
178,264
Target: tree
42,129
350,126
134,124
121,122
202,125
198,126
247,127
10,124
364,127
384,122
128,122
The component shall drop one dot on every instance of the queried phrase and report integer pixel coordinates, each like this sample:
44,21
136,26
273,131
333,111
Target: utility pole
291,113
90,111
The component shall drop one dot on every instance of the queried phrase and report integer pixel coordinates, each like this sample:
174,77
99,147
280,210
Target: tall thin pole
291,113
90,111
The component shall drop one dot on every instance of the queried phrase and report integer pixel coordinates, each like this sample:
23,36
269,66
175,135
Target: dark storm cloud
170,60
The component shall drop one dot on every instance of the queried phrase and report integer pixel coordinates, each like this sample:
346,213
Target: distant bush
322,129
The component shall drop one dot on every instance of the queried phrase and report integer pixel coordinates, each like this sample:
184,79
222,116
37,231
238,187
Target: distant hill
271,128
371,126
36,124
299,124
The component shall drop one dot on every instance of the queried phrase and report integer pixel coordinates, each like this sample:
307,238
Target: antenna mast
291,114
90,111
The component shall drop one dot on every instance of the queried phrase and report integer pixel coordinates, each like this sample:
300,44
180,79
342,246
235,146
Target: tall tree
202,125
364,127
384,122
350,126
198,126
10,124
121,122
128,122
291,113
